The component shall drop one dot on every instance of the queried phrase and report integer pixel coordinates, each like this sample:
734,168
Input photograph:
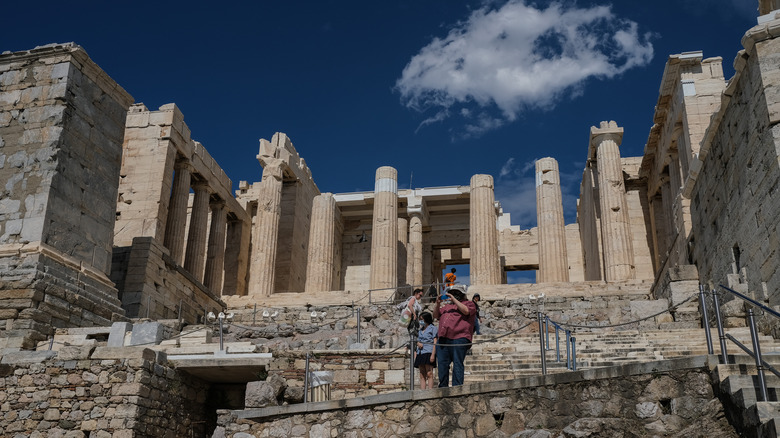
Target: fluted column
196,240
414,258
384,233
215,254
322,239
403,244
266,235
483,238
176,223
553,261
615,225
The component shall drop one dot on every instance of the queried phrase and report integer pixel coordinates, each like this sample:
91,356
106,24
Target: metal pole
547,331
181,302
221,345
705,320
148,305
358,325
369,297
306,380
757,351
557,345
541,344
411,361
573,353
568,350
254,315
51,342
724,353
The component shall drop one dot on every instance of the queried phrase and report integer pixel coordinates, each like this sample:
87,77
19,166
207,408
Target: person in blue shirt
426,350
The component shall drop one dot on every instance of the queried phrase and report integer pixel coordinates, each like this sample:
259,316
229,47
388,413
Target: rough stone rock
646,409
499,405
596,427
264,393
293,394
427,424
536,433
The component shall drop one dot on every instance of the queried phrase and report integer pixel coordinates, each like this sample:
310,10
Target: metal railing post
254,315
541,344
358,325
757,351
411,361
547,331
181,302
705,319
573,353
306,380
723,351
568,349
221,345
557,346
369,297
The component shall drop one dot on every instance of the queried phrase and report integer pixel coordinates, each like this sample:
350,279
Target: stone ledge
480,388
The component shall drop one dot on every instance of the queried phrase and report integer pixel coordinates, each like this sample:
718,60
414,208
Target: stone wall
84,391
152,285
735,202
650,399
61,125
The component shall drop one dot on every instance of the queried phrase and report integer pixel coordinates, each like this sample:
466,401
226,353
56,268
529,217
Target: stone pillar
322,240
414,257
237,243
176,222
403,244
215,255
384,234
615,222
483,238
553,261
266,235
196,240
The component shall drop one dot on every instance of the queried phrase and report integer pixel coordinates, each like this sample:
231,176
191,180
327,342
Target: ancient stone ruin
121,239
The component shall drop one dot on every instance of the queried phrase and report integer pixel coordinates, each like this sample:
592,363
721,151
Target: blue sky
438,89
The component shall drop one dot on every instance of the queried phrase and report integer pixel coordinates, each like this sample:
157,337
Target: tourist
412,307
456,326
477,320
426,350
449,279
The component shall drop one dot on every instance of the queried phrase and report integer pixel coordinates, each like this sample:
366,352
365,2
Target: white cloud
513,56
515,189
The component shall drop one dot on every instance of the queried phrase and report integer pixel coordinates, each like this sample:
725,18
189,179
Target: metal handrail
571,358
761,365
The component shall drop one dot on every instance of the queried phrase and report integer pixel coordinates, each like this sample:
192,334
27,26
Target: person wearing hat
456,326
476,298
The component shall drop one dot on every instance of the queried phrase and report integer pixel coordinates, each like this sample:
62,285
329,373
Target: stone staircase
518,355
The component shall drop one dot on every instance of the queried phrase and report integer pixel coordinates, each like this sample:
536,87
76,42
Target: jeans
476,326
453,353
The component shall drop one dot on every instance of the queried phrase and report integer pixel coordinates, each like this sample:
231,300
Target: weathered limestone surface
615,227
384,233
321,273
215,255
734,201
553,260
266,231
61,125
485,262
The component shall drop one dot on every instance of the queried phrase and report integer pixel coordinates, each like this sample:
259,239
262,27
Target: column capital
481,180
217,204
183,164
606,131
201,186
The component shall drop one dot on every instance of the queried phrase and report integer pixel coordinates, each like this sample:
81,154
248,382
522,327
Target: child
426,350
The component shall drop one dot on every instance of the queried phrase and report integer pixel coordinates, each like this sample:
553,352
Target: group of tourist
448,344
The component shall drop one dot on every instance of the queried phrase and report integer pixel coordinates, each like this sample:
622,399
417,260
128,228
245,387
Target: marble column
553,261
483,237
196,240
615,222
403,245
237,243
266,233
414,254
322,240
176,223
215,254
384,232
